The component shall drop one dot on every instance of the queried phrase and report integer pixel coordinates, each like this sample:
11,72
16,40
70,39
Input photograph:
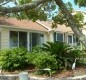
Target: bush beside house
54,55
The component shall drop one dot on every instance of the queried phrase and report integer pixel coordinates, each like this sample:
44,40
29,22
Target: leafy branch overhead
60,19
80,3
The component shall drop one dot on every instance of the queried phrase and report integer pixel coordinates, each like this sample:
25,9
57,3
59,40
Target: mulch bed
58,74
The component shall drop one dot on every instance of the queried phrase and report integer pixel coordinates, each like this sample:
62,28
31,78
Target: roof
21,24
30,25
60,28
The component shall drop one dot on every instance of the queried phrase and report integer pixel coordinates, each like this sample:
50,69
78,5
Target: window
73,39
36,39
58,37
18,39
23,39
13,39
69,38
54,35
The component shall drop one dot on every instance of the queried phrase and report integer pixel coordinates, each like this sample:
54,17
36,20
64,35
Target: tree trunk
71,22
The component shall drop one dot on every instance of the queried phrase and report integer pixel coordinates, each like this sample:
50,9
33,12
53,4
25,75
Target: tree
34,4
80,3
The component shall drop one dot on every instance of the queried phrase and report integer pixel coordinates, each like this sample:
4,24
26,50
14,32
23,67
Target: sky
75,6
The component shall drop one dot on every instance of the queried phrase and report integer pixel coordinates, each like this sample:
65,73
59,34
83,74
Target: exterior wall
4,38
50,37
45,37
65,37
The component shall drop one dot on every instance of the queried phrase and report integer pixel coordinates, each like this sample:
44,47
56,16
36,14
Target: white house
24,33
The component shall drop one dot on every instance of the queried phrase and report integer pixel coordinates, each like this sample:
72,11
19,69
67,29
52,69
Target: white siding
65,37
4,38
50,37
45,37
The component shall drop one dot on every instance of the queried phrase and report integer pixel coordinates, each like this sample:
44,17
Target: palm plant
64,53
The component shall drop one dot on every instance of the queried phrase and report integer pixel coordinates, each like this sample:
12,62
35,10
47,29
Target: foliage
34,14
42,60
42,12
37,49
69,6
82,58
80,3
13,59
64,54
20,2
79,19
60,19
20,58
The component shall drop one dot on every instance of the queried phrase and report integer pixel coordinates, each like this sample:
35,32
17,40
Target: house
24,33
61,33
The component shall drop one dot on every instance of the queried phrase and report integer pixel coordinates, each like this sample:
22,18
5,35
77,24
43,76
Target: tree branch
4,3
23,7
71,22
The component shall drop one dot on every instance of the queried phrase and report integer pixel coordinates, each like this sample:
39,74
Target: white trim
44,26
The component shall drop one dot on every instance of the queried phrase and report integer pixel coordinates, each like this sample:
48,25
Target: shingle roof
60,28
22,24
29,25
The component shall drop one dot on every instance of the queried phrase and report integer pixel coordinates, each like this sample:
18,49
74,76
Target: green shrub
43,60
37,49
13,59
64,54
82,58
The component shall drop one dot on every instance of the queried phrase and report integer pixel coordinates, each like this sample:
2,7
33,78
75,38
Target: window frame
73,36
68,38
56,37
18,45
